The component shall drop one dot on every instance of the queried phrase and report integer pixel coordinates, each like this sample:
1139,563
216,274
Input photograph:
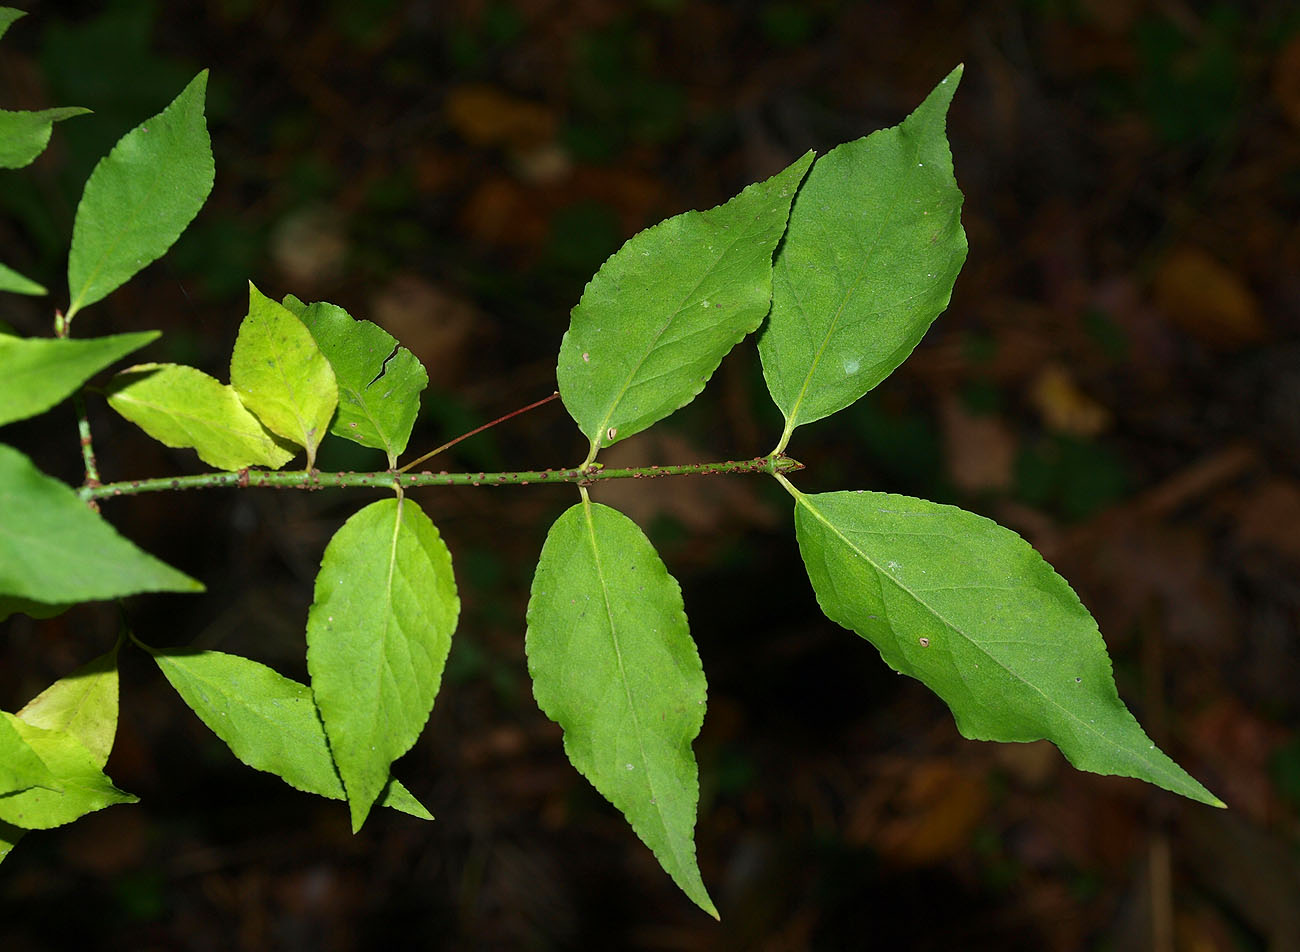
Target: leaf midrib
803,500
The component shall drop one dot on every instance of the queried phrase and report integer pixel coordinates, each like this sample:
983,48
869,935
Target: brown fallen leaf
980,451
1207,299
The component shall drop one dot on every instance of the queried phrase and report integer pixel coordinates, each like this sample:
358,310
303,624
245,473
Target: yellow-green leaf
281,375
184,408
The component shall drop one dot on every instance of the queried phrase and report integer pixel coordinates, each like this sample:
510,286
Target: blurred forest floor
1118,379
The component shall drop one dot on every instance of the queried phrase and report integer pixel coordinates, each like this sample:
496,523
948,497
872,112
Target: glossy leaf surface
12,281
24,135
378,634
379,382
140,197
281,375
54,549
613,663
83,704
20,767
38,372
869,261
267,720
184,408
662,312
970,609
84,787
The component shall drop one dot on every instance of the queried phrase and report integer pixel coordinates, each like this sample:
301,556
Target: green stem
62,324
300,479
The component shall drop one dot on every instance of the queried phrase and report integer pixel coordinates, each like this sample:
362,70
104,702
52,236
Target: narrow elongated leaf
267,720
20,767
613,663
9,837
83,704
24,135
379,382
869,261
140,197
11,280
38,372
378,634
85,789
54,549
970,609
662,312
7,17
184,408
281,375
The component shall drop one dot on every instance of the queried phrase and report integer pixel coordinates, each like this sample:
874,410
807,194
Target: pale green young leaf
12,281
54,549
378,634
184,408
83,704
281,375
267,720
662,312
970,609
140,197
379,381
24,135
38,372
7,17
868,262
613,663
84,787
20,767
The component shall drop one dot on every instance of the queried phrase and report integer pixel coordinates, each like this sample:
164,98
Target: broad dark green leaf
54,549
379,382
184,408
12,281
85,788
281,375
38,372
970,609
267,720
662,312
868,262
613,663
20,767
83,704
378,634
24,135
140,197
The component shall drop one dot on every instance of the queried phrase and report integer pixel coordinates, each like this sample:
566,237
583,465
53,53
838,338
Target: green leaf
267,720
9,605
378,634
869,261
24,135
54,549
85,787
11,280
20,767
8,15
662,312
281,375
83,704
184,408
613,663
140,197
379,381
9,837
39,372
970,609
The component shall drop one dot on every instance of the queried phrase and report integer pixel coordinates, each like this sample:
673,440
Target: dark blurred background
1118,379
